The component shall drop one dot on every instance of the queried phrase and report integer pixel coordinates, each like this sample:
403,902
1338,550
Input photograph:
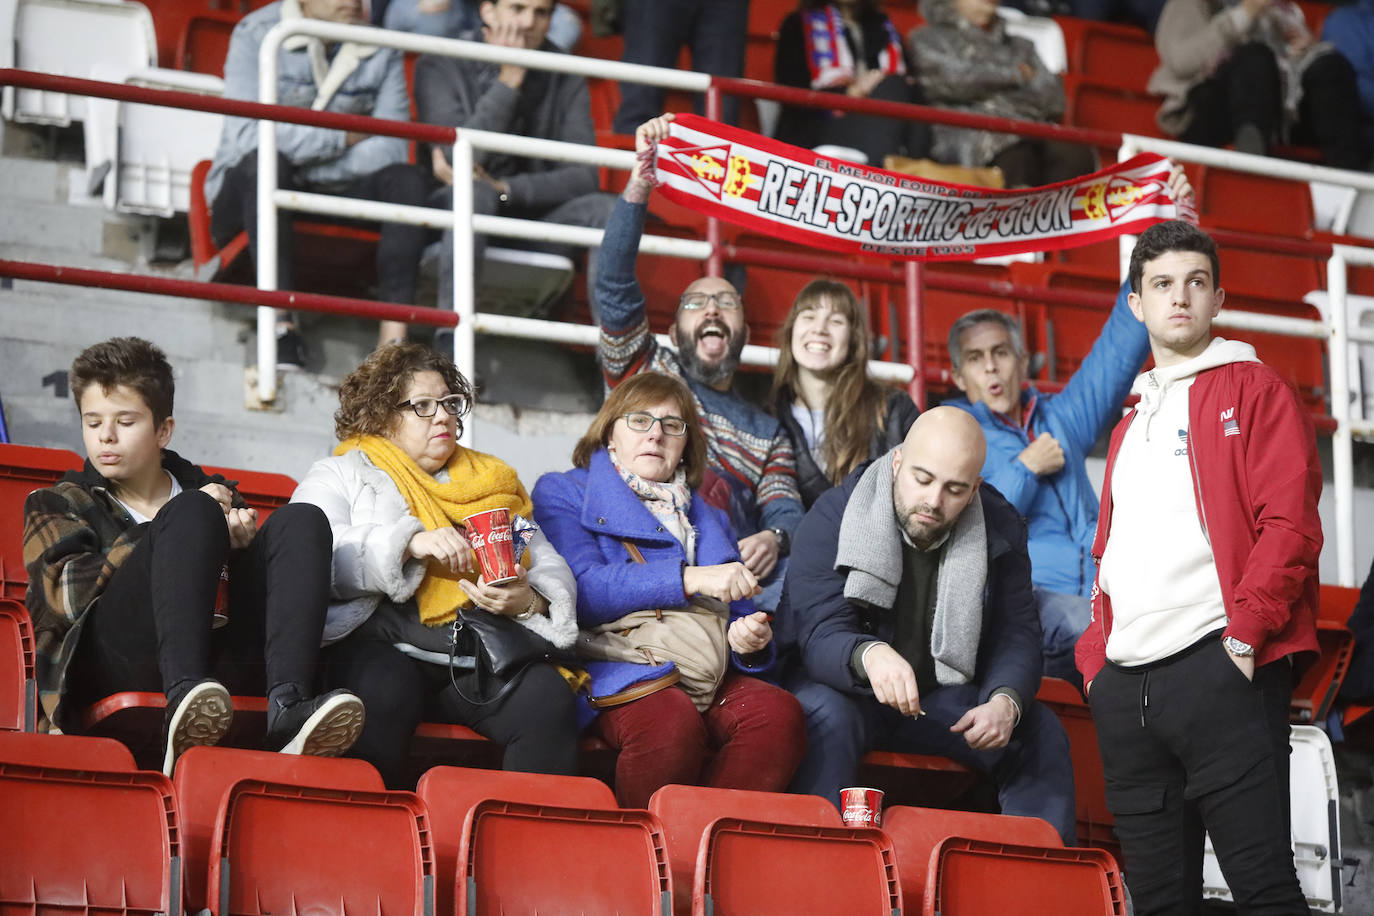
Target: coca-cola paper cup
489,533
861,807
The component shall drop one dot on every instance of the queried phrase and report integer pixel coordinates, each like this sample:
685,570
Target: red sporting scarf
792,193
827,53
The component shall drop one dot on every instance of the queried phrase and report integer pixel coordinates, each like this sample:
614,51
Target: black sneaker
325,726
197,714
290,349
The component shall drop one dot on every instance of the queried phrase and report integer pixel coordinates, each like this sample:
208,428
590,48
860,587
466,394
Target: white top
138,517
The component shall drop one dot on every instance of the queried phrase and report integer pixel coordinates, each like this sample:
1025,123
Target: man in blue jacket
909,606
1036,450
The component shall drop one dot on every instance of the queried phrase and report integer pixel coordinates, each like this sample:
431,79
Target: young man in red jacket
1206,593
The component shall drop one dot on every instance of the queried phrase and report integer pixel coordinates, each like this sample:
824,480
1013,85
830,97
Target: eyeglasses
425,408
642,422
726,302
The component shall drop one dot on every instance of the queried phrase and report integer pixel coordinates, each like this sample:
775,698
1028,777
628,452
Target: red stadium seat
686,812
295,849
1321,679
204,776
452,792
23,468
203,43
68,752
87,842
18,687
1109,52
976,877
746,866
607,861
262,490
1095,819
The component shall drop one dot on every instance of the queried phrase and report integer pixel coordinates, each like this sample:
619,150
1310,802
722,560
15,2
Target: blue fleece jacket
1061,508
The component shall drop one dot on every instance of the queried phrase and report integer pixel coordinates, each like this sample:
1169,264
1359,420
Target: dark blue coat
823,628
589,514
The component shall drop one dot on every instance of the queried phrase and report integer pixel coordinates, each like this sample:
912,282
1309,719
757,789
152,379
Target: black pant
1032,162
1247,89
235,209
536,721
151,627
1189,745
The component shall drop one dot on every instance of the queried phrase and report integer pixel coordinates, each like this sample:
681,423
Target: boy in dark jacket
124,558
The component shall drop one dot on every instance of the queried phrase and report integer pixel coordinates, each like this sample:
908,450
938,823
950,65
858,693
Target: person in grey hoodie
965,60
346,78
513,100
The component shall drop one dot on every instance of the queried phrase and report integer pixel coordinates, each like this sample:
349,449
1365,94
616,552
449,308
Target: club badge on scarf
793,193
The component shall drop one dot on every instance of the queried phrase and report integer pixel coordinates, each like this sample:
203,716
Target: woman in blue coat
634,490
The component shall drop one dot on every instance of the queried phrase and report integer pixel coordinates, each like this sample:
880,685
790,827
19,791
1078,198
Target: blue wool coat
588,514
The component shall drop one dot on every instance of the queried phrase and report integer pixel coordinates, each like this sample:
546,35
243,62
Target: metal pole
915,333
715,265
267,243
464,286
1342,462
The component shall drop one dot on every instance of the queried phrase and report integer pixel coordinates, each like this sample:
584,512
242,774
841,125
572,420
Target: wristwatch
784,541
1236,647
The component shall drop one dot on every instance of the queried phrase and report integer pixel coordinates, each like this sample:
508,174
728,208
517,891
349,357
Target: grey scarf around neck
870,552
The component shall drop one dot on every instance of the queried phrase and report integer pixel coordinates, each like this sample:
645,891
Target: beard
696,368
921,534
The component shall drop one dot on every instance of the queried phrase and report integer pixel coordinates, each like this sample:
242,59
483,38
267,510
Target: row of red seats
246,832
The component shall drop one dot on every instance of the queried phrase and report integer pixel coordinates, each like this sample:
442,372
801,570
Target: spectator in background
848,47
347,78
460,19
510,99
1351,30
1144,13
909,604
1249,72
744,445
837,415
966,61
656,30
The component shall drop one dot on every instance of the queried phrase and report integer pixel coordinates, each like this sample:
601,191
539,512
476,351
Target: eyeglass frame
458,411
684,306
652,420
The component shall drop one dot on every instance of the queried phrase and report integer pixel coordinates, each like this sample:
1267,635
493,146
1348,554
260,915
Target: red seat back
23,468
18,687
976,877
71,752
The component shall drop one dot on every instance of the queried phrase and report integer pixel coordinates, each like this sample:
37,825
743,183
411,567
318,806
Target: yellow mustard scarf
477,482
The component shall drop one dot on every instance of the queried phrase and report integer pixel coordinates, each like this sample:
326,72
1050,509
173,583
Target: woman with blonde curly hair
837,415
396,491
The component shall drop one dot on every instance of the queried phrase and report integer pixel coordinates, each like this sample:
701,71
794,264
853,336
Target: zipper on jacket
1197,490
1144,696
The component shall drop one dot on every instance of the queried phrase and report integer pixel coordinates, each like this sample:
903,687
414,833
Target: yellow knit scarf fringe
477,482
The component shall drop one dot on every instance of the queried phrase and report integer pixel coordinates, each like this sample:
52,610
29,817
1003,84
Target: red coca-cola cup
489,533
861,807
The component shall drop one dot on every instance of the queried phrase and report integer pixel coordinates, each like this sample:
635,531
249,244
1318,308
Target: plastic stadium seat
1095,819
204,776
1321,679
68,752
294,849
263,490
159,146
171,17
976,877
23,468
203,43
1109,52
134,718
753,867
521,858
916,832
87,842
452,792
686,812
1110,107
18,687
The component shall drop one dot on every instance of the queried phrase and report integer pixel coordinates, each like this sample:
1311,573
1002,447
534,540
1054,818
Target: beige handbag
693,638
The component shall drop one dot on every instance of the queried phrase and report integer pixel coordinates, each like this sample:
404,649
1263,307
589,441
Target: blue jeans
1033,773
1063,618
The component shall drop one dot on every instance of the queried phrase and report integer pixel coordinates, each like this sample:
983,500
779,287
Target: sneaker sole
331,730
203,718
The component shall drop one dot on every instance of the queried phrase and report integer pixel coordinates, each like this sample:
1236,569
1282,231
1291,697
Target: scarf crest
477,482
827,51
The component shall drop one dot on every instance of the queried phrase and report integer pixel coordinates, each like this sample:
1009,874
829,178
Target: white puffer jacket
372,526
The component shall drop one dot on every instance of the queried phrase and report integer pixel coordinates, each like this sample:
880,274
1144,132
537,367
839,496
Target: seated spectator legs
655,30
1063,618
235,209
1031,162
1033,775
1326,113
877,136
1240,103
759,735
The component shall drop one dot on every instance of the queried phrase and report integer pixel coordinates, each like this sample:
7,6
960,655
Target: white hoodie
1157,566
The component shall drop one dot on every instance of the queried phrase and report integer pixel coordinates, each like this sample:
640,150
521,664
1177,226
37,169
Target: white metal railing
270,198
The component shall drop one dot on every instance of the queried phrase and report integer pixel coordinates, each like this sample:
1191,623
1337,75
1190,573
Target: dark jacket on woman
898,415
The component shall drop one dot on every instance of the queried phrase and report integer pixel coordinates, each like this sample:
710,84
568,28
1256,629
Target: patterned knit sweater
745,445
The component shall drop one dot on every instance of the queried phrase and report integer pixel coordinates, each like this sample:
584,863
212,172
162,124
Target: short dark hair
369,394
129,361
1173,235
969,320
640,392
